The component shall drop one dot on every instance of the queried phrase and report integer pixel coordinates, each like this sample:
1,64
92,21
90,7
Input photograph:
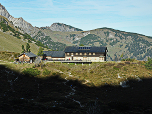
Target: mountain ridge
61,27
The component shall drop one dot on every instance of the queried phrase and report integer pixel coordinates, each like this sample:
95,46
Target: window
89,53
94,54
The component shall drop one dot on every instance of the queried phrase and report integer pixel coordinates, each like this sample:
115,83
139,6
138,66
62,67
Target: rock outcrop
63,27
19,22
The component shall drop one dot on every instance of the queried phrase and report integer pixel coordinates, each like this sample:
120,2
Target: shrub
121,64
91,71
127,62
116,67
125,69
128,59
148,64
31,72
46,72
53,73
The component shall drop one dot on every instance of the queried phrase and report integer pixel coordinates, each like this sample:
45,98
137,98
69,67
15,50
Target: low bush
125,69
109,64
148,64
31,72
46,72
116,67
121,64
127,62
128,59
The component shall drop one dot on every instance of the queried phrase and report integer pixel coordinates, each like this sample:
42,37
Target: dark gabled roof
83,49
48,53
54,53
58,54
29,54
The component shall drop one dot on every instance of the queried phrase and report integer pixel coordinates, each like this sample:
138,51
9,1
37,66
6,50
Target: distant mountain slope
120,44
12,44
131,45
46,40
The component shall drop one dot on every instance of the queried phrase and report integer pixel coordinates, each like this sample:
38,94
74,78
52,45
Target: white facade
91,59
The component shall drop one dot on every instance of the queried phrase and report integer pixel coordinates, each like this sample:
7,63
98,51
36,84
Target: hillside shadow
25,94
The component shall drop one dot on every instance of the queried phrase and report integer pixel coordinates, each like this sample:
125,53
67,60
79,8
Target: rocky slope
19,22
61,27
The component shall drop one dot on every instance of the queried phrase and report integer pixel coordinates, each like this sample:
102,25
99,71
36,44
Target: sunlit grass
95,74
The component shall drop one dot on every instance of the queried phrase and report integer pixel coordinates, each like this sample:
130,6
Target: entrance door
85,58
72,58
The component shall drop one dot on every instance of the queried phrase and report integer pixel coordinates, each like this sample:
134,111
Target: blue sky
126,15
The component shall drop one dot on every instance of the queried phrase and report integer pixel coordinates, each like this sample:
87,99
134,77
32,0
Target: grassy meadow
12,44
54,87
96,74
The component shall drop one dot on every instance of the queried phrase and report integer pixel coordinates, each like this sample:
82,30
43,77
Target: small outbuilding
27,57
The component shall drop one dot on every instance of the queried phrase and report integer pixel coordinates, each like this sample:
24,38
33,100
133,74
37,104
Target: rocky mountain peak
4,12
19,22
63,27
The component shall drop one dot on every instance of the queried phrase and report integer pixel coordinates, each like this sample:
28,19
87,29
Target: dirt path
72,87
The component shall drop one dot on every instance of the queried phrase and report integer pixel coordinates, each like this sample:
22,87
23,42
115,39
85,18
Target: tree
81,45
121,56
29,50
40,52
23,49
28,47
148,64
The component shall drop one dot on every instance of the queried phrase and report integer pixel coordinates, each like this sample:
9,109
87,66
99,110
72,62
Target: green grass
12,44
8,56
96,73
